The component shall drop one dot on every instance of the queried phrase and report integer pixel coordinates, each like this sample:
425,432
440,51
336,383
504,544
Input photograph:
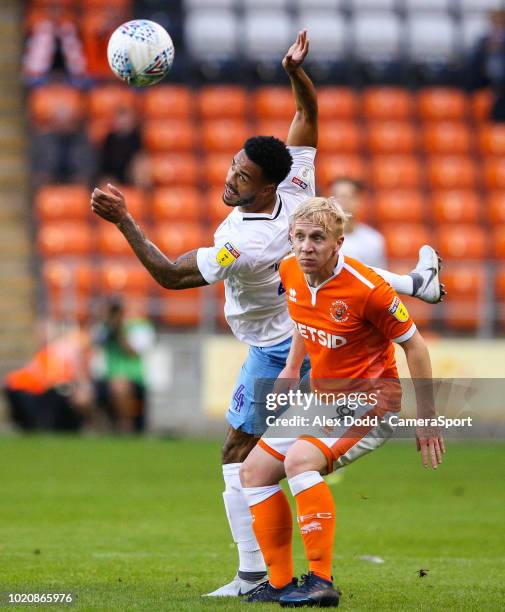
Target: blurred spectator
61,152
121,157
97,27
121,384
53,392
361,241
487,63
53,43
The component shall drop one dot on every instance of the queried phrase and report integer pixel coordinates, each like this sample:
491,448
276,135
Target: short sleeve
301,179
221,261
388,314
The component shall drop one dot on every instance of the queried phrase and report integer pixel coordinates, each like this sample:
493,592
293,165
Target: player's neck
323,274
263,205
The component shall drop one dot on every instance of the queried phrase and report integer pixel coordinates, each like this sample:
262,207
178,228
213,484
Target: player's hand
430,444
287,380
110,206
296,53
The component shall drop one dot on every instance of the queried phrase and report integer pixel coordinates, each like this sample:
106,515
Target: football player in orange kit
346,318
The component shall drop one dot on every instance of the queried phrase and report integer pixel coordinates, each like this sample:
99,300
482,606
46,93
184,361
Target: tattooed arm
183,273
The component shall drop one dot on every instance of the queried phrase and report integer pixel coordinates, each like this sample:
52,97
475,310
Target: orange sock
316,520
273,526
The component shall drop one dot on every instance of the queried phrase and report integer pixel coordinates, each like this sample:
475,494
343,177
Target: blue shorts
263,364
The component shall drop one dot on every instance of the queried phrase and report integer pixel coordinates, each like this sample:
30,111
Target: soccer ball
140,52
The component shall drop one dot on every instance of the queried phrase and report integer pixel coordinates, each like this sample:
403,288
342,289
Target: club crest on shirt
302,177
339,311
398,310
227,255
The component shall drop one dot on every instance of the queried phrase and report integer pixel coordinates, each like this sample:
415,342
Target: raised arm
183,273
303,130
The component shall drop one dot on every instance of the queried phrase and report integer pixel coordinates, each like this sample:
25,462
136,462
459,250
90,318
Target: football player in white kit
265,182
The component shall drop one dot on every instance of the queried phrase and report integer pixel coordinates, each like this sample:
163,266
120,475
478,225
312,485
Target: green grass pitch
138,524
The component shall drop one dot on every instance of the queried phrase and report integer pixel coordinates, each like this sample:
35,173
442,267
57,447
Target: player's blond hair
325,212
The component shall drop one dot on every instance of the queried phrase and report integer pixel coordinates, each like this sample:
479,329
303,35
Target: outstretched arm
303,130
429,440
183,273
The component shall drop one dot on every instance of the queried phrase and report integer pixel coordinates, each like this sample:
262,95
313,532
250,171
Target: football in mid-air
140,52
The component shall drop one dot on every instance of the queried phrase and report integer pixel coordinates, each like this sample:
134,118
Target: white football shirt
247,251
366,245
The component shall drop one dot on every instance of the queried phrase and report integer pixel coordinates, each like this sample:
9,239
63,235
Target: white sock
305,480
401,283
240,520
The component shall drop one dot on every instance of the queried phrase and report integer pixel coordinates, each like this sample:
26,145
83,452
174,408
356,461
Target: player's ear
269,189
338,245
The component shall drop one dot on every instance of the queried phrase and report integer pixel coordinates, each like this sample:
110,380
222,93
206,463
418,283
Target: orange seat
451,172
494,172
182,308
173,169
69,287
104,100
112,242
331,167
500,295
217,208
224,135
272,102
496,207
65,238
178,204
464,279
222,102
93,4
337,103
125,278
48,100
215,168
168,135
442,104
391,103
400,207
63,202
403,240
481,105
500,282
466,285
456,206
339,137
498,239
395,172
462,241
273,127
447,138
175,239
391,137
168,101
492,139
62,276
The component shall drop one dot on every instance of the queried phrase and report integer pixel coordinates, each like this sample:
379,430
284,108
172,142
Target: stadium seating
447,138
169,135
168,102
403,240
393,103
391,137
62,202
433,162
456,206
177,204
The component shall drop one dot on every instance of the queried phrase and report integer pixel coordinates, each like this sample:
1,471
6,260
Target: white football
140,52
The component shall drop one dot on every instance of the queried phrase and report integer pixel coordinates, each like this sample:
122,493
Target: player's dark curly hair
271,155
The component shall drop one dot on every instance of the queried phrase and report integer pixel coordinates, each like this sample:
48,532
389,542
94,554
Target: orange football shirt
348,323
